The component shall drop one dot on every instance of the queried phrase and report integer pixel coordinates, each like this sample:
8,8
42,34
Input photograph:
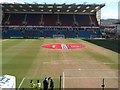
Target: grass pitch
26,59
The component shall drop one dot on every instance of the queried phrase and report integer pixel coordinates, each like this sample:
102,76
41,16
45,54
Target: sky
109,11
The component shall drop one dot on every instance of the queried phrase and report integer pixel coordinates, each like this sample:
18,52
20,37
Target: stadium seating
16,19
33,19
49,33
5,18
68,33
12,33
89,34
94,20
85,34
49,19
66,20
83,20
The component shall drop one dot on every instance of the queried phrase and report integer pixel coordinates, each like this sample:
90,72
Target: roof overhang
51,8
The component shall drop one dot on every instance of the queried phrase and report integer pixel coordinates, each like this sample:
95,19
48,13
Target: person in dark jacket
45,84
51,84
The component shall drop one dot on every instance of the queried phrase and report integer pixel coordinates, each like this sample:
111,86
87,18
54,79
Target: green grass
109,44
25,58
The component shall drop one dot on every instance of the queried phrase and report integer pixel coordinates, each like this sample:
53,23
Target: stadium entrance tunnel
63,46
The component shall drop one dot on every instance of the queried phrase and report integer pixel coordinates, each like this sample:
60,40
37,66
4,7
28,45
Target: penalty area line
21,83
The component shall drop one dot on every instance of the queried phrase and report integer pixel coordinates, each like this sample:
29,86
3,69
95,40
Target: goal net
80,78
58,36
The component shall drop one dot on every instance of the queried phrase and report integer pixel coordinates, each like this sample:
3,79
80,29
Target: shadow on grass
109,44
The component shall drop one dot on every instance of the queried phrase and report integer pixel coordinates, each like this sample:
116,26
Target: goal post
95,36
80,78
59,36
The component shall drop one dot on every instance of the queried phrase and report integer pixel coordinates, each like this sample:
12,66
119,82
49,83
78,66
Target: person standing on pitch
32,85
45,84
38,84
51,84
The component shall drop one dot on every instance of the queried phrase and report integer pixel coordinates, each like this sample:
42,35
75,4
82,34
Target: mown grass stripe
11,43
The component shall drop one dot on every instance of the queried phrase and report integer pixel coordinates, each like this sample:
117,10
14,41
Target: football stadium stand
47,20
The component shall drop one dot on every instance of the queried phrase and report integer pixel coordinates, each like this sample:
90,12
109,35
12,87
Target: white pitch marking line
91,69
63,81
92,77
21,83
